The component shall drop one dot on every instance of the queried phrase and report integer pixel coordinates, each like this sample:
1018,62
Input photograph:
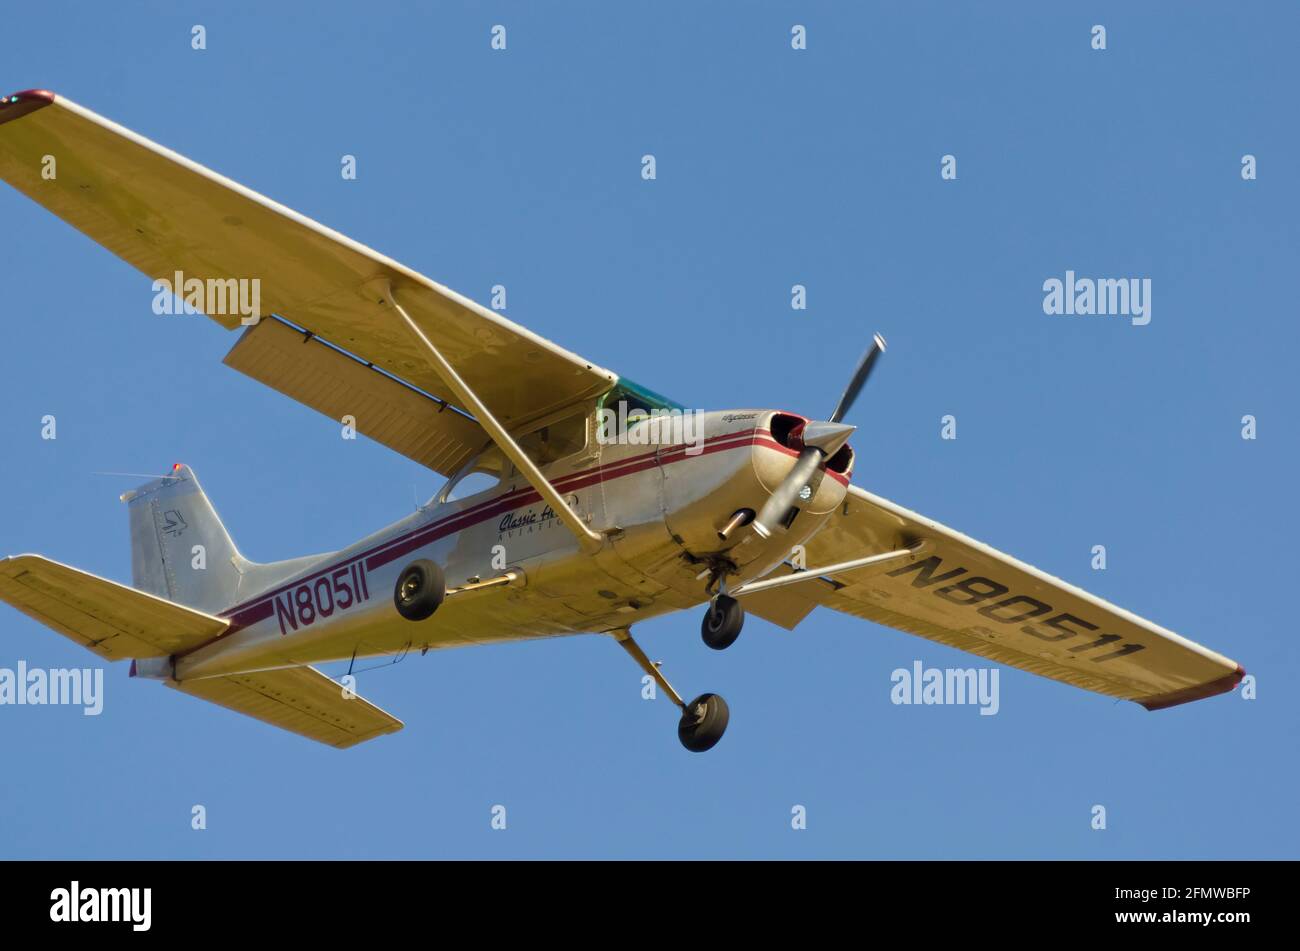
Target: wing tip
1197,692
21,103
357,739
19,561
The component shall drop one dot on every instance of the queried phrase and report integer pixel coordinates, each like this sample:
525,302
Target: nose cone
828,437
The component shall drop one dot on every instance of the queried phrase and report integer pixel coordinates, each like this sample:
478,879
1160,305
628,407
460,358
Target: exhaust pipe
738,519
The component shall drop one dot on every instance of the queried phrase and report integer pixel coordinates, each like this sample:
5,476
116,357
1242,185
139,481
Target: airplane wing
114,621
965,594
301,700
167,215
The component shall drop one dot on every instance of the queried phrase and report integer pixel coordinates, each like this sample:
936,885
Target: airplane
564,524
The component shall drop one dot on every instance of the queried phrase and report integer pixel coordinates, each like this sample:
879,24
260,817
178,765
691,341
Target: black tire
703,722
419,590
722,622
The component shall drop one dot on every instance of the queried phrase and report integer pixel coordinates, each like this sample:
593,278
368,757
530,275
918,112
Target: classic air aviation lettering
528,519
708,518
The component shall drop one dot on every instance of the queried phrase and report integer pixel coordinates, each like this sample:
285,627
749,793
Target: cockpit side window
481,474
544,445
556,440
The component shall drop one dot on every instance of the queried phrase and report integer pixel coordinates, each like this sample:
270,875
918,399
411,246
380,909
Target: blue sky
775,167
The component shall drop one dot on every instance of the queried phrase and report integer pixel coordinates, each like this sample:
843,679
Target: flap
334,383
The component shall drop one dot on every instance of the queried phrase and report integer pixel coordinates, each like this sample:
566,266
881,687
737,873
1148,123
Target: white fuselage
659,508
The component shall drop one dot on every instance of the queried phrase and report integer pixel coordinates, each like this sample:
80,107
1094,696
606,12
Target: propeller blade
859,378
821,441
780,501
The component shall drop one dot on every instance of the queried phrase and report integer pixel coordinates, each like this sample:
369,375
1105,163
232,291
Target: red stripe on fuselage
262,606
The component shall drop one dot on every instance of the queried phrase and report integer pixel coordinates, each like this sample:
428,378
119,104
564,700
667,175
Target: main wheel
722,622
419,590
703,722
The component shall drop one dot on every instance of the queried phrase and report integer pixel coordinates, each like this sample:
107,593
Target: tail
180,550
186,570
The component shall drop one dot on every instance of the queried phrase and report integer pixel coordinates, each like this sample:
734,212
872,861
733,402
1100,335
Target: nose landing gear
724,616
722,622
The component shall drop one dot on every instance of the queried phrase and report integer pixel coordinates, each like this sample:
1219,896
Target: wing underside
967,595
182,223
301,700
310,371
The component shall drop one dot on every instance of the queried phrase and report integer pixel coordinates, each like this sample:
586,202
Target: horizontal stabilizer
301,700
111,619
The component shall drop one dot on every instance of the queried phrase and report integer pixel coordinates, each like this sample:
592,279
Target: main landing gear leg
704,719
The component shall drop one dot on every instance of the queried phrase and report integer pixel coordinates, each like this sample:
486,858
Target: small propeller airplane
566,531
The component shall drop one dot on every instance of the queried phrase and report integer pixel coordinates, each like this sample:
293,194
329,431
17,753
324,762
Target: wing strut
590,541
798,576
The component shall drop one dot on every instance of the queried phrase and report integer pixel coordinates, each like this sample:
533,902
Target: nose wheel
703,720
722,622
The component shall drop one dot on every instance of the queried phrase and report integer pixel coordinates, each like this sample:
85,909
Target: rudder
175,529
179,548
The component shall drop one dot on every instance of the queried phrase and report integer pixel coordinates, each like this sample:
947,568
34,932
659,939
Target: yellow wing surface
173,218
962,593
